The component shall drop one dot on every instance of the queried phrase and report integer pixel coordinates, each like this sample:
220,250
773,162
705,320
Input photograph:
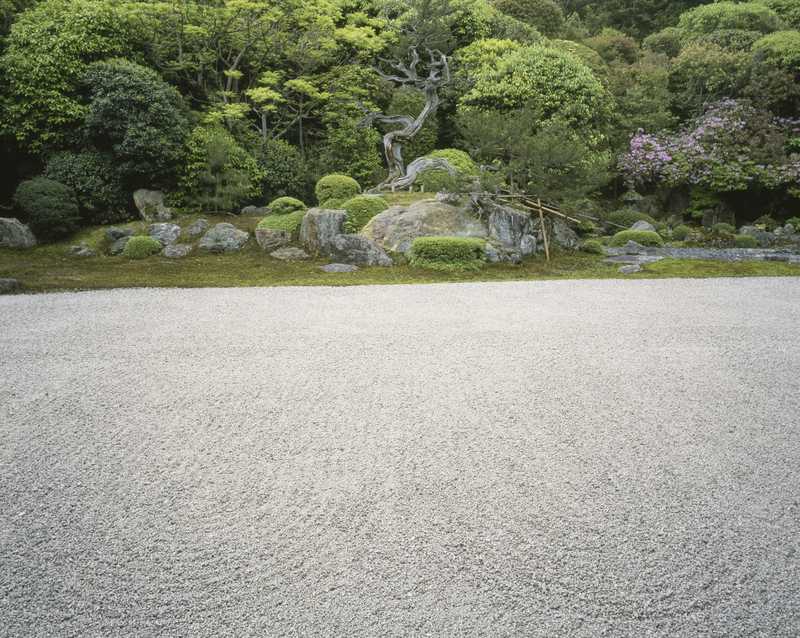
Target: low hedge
289,222
336,187
448,253
627,217
141,246
643,237
745,241
360,209
284,206
593,247
50,207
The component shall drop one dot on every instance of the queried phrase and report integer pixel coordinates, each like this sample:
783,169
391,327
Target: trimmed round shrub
720,16
745,241
437,180
289,222
723,229
50,207
781,48
627,217
643,237
449,254
284,206
336,187
681,232
333,204
593,247
360,209
141,246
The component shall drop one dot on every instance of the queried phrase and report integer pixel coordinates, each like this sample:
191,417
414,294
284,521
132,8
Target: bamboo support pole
544,230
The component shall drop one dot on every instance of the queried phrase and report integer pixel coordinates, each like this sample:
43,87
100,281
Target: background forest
670,108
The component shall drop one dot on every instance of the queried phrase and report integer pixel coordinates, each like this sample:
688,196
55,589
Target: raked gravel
604,458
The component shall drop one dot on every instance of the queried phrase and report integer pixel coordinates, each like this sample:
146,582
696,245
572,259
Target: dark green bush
96,182
722,229
50,207
285,205
586,227
767,221
745,241
448,253
289,222
336,187
643,237
593,246
681,232
141,246
360,209
627,217
284,169
439,180
794,221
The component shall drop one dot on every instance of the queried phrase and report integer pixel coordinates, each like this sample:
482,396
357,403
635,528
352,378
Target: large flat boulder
15,234
398,226
355,249
223,238
320,227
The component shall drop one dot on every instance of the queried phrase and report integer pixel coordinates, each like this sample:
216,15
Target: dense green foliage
335,187
745,241
289,222
239,102
285,205
448,253
643,237
593,247
50,207
141,246
360,209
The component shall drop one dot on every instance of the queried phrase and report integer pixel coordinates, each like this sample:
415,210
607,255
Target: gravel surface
606,458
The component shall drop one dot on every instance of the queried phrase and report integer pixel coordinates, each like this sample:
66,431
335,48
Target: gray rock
559,233
633,259
81,250
496,253
197,228
150,205
176,251
630,269
398,226
319,229
165,233
749,230
9,286
789,229
272,238
224,238
355,249
254,210
643,225
339,268
289,253
632,248
118,246
512,228
113,234
15,234
778,231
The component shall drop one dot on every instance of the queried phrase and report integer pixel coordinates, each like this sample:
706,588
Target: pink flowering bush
731,147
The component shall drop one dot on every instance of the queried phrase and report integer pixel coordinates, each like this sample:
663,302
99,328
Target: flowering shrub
731,147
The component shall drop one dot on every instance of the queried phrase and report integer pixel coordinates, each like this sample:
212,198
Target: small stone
9,286
289,253
113,234
197,228
632,248
118,246
629,270
176,251
643,225
255,210
339,268
789,229
272,238
81,250
165,233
